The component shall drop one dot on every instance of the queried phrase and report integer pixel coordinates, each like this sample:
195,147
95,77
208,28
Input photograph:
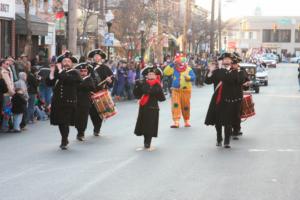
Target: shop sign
7,9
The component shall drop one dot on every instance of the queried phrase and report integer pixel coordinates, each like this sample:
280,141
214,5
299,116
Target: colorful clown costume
182,78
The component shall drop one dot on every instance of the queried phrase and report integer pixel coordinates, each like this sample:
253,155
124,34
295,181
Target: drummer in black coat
65,81
149,91
84,104
244,83
103,79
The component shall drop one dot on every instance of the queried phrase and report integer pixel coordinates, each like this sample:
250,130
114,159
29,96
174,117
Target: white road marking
287,150
258,150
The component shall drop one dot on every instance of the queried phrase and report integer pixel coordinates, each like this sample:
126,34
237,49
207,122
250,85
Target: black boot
64,144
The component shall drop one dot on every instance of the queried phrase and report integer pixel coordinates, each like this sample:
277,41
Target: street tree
28,43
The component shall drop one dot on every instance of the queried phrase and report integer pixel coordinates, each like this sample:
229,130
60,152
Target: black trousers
97,121
81,120
147,141
227,133
64,132
236,126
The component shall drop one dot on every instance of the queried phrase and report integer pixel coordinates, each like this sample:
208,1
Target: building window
297,35
6,28
281,35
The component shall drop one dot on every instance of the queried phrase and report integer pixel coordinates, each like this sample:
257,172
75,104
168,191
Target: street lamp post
142,31
109,17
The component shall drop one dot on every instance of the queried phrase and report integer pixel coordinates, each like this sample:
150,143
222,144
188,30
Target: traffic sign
109,39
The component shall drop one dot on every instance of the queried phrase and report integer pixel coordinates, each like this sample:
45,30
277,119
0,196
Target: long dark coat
213,113
227,112
232,97
148,116
64,99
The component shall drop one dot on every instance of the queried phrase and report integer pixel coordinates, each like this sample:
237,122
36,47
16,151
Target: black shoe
219,144
80,138
227,146
147,146
240,133
96,134
235,138
64,144
63,147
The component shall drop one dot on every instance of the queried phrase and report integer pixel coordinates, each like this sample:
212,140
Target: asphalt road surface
186,165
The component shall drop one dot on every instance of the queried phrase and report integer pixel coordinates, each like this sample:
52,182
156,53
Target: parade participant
213,77
182,78
149,91
232,96
100,74
236,128
83,99
222,109
65,81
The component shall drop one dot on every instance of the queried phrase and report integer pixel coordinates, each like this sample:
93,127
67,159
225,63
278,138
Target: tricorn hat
100,52
67,54
236,58
84,65
151,68
226,55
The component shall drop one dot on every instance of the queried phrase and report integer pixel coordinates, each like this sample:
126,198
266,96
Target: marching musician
65,81
238,94
149,91
84,104
103,78
236,129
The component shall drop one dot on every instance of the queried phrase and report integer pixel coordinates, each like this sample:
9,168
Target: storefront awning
39,26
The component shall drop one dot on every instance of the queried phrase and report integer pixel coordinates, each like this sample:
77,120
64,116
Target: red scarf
145,98
219,95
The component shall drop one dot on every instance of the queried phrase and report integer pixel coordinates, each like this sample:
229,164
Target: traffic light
274,27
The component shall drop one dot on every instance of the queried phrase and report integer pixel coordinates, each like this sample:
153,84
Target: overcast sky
247,7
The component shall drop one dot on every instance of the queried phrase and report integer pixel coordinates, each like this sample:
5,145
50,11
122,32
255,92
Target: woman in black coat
149,92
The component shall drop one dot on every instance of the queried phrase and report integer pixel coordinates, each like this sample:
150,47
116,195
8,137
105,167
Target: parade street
186,165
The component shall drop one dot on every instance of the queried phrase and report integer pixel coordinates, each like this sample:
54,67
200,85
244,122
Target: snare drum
104,104
247,107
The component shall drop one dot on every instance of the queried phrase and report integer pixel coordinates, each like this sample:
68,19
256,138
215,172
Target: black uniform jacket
100,73
84,92
64,99
148,116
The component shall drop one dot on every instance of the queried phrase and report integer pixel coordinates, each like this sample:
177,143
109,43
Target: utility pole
212,28
220,26
186,24
72,26
159,51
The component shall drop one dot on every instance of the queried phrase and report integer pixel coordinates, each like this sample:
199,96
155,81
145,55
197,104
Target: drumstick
102,82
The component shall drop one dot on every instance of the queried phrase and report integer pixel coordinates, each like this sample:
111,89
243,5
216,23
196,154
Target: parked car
270,60
262,75
295,59
251,71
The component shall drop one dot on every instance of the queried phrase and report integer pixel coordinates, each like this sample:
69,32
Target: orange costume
182,78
